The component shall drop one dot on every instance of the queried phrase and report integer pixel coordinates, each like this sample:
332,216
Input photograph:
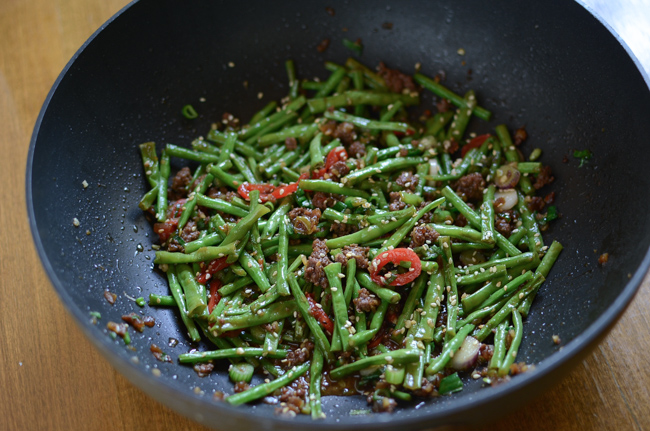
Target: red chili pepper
474,143
213,267
166,228
269,192
320,315
175,210
396,256
215,285
337,154
378,338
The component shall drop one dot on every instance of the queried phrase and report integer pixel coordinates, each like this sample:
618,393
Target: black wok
548,65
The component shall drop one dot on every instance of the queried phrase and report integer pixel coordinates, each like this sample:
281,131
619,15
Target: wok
548,65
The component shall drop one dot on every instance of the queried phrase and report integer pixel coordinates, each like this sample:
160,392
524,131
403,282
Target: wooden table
54,379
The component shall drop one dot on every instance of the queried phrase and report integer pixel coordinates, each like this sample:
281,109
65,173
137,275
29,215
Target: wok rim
577,348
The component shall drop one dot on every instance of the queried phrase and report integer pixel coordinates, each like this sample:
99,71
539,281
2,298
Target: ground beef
323,45
328,127
221,193
423,234
342,229
520,136
360,254
291,144
396,81
428,216
396,203
134,320
305,220
460,221
367,302
203,369
229,120
357,149
485,353
300,354
444,105
110,297
292,398
427,389
382,404
338,170
180,183
544,177
549,198
318,260
188,234
323,201
407,180
470,187
159,354
345,132
518,368
536,203
241,387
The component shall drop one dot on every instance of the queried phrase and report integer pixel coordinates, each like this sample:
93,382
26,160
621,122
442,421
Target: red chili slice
396,256
213,267
166,228
474,143
269,192
215,285
320,315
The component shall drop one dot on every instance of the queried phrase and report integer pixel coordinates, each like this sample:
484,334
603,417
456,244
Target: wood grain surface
53,379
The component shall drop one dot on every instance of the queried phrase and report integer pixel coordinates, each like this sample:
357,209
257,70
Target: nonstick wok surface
549,66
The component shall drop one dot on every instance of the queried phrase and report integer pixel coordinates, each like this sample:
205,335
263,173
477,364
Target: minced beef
506,222
407,180
470,187
396,203
423,234
304,220
520,136
180,183
159,354
536,203
428,216
323,201
229,120
221,193
382,404
427,388
544,177
328,127
345,132
366,302
203,369
338,170
360,254
396,81
357,149
293,397
444,105
291,143
342,229
318,260
188,234
460,221
241,387
300,354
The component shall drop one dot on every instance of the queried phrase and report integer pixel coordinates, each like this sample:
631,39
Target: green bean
472,301
450,347
264,112
245,224
198,357
163,177
507,308
265,389
535,241
512,155
316,378
504,368
367,234
543,269
184,153
254,271
412,301
450,282
397,237
432,300
201,255
371,77
437,123
479,276
283,263
487,216
380,167
350,280
331,83
233,287
398,357
327,186
378,318
242,166
394,375
320,340
241,147
339,306
274,221
179,298
499,346
355,97
382,292
150,163
196,306
272,338
162,300
364,123
315,152
276,311
300,131
220,205
445,93
190,204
